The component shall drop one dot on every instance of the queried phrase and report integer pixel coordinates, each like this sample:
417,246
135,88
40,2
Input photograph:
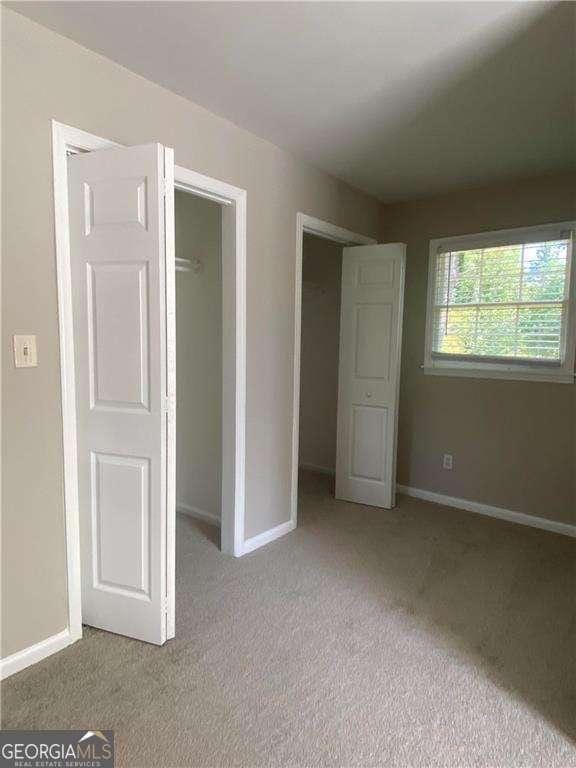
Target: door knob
368,395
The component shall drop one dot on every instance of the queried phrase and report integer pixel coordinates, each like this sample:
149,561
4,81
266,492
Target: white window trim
563,373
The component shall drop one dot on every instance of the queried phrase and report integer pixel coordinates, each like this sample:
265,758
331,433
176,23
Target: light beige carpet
422,636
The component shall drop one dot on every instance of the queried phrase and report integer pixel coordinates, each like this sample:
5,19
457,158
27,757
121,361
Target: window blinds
508,302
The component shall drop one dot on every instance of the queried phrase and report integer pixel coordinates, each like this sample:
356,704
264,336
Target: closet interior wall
321,289
198,355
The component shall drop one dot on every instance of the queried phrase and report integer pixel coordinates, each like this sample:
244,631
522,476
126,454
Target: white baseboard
265,538
35,653
317,468
201,514
486,509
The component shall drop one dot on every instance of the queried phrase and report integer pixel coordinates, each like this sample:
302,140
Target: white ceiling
402,100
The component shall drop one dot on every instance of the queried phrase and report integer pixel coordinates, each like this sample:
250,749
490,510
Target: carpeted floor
422,636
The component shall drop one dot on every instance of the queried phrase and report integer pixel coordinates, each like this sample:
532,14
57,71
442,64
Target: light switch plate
25,351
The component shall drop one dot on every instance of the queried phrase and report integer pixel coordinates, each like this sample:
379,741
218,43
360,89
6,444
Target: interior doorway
115,226
364,347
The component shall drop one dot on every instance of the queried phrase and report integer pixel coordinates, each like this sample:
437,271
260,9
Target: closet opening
124,295
347,338
320,338
198,310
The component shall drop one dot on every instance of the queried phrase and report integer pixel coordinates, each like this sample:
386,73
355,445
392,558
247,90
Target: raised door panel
375,273
118,340
372,341
115,202
368,444
121,525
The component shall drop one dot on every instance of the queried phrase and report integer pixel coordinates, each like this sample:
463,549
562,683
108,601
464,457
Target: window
501,305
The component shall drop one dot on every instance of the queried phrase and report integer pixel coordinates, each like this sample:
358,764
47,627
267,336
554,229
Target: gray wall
321,287
199,355
513,441
47,76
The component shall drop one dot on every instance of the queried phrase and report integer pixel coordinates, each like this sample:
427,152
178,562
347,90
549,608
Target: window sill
558,376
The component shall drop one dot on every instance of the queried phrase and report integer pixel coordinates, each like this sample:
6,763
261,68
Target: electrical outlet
447,461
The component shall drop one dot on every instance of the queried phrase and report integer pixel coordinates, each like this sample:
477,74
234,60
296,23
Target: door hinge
167,402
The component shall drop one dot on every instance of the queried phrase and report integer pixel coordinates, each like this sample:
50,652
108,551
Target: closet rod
183,265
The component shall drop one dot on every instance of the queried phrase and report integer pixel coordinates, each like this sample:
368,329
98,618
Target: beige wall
46,76
199,355
321,287
513,441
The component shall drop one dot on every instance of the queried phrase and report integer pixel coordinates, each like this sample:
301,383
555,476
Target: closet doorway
349,303
115,225
321,290
198,249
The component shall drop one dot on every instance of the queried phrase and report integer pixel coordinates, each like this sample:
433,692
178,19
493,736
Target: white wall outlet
25,351
447,461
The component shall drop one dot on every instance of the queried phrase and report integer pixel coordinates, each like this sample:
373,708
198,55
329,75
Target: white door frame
68,140
324,229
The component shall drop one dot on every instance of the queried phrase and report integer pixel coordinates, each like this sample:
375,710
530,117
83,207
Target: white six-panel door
369,372
118,233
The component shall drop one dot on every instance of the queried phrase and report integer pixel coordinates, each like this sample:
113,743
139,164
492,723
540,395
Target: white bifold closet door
119,230
369,373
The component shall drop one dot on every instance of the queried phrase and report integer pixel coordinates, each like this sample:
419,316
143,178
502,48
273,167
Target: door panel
368,443
118,231
121,524
372,341
369,370
117,297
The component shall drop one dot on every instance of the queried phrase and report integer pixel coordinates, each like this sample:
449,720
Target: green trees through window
501,302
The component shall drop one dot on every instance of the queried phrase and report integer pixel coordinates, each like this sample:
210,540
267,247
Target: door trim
69,140
324,229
